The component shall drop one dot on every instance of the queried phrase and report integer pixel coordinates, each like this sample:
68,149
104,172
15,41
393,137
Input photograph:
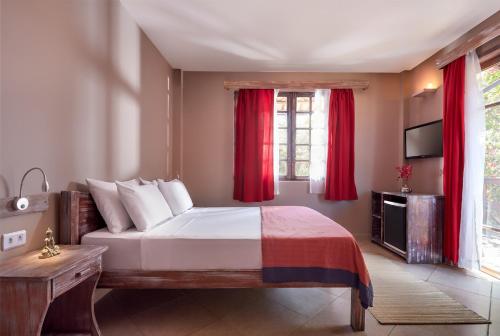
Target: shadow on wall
90,90
96,84
125,82
4,187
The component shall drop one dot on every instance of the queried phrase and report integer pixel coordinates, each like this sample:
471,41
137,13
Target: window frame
486,267
291,133
489,88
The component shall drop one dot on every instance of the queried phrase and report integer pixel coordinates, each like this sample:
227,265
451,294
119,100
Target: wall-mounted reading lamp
22,203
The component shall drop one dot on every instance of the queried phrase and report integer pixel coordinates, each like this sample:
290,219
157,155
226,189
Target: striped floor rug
400,298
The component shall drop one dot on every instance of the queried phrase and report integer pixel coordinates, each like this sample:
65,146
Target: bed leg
357,311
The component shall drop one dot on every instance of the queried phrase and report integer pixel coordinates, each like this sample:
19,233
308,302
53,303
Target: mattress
199,239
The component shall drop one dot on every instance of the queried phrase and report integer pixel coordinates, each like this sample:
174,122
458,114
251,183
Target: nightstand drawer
74,276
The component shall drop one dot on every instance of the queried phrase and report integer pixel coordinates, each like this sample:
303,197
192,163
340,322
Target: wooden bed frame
79,216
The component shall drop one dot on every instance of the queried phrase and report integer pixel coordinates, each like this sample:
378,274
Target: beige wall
177,91
427,173
207,140
83,93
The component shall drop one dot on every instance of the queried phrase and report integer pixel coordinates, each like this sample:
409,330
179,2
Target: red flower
404,172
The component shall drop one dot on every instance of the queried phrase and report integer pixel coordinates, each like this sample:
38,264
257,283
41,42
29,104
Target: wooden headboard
78,216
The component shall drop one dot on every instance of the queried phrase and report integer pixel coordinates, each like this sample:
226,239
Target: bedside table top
30,265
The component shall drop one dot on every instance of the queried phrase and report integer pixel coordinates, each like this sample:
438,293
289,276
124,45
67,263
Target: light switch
13,239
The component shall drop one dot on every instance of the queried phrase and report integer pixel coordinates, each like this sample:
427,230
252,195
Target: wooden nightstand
50,296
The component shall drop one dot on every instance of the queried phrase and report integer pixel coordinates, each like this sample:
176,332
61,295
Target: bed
188,252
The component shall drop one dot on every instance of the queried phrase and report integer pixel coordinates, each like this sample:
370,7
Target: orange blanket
300,244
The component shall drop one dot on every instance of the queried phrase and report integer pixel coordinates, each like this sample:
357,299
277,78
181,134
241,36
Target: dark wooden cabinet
410,225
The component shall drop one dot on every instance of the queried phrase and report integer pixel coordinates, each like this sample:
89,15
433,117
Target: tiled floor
286,311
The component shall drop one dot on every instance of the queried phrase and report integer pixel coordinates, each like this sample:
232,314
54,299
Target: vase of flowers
404,174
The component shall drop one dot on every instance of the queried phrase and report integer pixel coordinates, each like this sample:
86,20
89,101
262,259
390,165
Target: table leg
73,311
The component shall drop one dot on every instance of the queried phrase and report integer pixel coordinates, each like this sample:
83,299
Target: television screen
424,140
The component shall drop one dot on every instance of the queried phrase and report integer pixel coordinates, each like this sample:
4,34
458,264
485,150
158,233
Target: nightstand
50,296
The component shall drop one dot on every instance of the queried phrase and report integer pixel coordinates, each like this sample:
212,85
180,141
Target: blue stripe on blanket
322,275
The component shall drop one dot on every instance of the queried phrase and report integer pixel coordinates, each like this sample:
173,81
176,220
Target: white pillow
143,181
177,196
109,205
145,205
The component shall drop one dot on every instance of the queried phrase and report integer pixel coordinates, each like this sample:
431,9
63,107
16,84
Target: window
294,124
491,222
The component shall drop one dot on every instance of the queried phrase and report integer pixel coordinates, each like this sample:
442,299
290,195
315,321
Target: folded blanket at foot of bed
301,245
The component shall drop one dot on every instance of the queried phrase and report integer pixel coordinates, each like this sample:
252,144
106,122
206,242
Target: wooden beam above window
489,53
486,31
297,85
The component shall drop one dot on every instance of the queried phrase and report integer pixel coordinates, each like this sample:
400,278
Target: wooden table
50,296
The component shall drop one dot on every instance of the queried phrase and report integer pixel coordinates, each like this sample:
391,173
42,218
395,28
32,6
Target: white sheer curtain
276,147
319,141
472,195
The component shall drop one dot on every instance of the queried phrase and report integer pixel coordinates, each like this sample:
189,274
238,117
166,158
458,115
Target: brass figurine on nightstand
50,249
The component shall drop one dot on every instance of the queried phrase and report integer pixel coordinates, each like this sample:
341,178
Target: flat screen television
424,141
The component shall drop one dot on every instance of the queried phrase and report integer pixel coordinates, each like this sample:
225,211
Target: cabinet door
395,225
425,220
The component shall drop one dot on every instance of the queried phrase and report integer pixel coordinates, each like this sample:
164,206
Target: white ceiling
314,35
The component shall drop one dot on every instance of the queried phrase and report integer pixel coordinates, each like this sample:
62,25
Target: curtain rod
336,84
484,32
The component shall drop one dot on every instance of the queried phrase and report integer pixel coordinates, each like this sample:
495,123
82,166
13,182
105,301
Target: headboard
78,216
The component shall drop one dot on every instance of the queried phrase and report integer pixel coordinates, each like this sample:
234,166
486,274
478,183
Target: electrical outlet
13,239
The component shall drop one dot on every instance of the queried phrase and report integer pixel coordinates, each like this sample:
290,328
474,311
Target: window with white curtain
491,216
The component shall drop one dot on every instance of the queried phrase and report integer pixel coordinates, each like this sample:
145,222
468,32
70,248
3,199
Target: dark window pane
283,168
283,152
282,120
302,137
301,152
302,120
283,135
301,168
303,104
281,103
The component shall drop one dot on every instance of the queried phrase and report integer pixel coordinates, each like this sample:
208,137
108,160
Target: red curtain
339,184
253,157
453,154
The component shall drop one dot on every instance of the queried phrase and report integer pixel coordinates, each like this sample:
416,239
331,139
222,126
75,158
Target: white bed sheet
199,239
